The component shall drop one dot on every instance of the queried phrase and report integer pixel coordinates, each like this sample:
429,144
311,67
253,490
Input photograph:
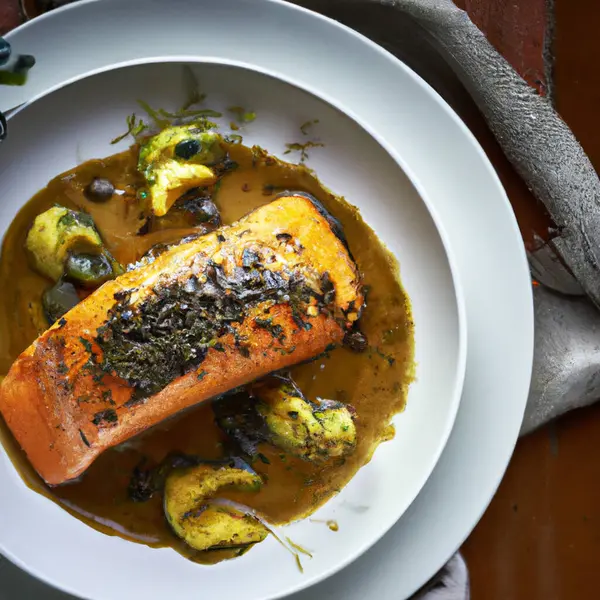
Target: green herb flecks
84,439
275,330
87,345
304,128
242,115
171,333
105,417
302,148
107,397
135,127
161,118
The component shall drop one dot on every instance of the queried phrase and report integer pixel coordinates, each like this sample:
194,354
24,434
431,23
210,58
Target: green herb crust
170,333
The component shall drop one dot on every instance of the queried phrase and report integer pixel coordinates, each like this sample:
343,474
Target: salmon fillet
211,314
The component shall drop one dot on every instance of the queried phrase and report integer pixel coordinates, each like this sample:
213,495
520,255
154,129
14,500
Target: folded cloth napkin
440,43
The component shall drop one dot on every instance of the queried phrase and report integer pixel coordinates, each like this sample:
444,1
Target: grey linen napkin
439,42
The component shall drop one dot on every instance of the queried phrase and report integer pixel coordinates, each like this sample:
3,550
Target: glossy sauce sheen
374,382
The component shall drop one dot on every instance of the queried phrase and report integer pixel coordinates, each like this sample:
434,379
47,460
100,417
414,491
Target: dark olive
198,204
187,149
88,269
99,190
356,341
4,51
58,300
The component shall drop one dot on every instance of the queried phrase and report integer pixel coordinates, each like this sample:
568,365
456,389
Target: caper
356,341
88,269
99,190
58,300
202,209
187,148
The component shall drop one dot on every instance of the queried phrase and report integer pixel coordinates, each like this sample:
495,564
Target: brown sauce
374,382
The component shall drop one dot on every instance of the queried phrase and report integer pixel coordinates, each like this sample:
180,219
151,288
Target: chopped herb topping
250,258
302,148
84,439
263,458
62,368
107,397
169,334
87,345
275,330
135,127
105,417
241,114
388,358
74,217
307,125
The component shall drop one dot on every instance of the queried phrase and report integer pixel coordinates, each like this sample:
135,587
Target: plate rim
462,346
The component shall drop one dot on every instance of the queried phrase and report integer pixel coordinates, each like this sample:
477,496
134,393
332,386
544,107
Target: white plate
451,168
85,116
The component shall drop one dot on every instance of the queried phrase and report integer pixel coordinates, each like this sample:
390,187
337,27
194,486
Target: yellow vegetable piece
175,161
172,179
57,232
312,432
203,525
216,527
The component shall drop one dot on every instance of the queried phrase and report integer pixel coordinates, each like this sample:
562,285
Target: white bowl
76,122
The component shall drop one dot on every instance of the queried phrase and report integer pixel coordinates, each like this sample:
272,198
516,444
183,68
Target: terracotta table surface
540,537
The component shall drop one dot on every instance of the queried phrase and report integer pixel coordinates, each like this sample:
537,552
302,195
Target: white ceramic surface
85,116
458,180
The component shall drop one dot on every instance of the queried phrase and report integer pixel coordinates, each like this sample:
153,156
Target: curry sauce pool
374,382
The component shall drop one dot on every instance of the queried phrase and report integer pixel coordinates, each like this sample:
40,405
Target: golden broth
374,382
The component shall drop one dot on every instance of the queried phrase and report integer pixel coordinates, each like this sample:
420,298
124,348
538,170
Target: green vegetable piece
58,300
55,234
177,160
312,432
206,526
90,270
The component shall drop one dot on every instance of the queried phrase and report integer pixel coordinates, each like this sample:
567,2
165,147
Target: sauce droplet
333,525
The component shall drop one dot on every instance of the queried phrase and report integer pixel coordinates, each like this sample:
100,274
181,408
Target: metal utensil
15,74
